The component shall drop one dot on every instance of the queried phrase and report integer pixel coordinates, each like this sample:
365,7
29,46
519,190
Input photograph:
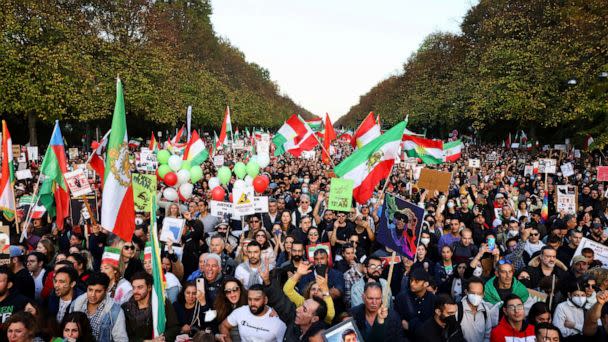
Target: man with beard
138,312
288,268
373,270
248,272
443,326
254,321
596,233
547,267
10,301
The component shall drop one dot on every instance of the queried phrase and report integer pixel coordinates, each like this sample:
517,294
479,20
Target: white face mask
579,300
425,241
474,299
513,233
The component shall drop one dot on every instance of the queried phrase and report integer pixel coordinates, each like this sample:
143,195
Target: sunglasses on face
128,247
534,234
234,289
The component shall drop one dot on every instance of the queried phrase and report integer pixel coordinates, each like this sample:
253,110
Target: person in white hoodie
569,316
474,315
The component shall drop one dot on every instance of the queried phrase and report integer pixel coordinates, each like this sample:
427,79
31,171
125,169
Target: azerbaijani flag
226,128
544,210
195,151
368,165
7,193
367,131
452,150
159,317
428,150
295,136
53,187
117,208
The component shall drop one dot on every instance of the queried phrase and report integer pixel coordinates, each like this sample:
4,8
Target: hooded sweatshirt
505,332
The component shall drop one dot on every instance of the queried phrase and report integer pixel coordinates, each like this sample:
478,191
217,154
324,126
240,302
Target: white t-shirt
257,328
38,283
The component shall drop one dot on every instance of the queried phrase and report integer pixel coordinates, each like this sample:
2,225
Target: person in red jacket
512,327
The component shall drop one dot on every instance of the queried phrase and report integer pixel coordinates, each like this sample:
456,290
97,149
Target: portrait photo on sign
172,229
399,226
344,332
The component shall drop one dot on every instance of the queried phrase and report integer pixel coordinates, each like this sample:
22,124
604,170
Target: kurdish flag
428,150
295,136
195,151
315,124
53,187
372,162
7,193
452,150
159,317
117,208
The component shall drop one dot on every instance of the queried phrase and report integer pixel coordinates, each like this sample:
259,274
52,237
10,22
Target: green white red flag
159,317
7,192
196,152
452,150
295,136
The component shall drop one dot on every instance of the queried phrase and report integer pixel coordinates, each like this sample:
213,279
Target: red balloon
218,193
170,178
94,145
260,183
230,198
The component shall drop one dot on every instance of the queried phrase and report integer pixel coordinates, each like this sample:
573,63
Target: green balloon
186,165
196,173
163,156
224,175
253,168
163,170
240,170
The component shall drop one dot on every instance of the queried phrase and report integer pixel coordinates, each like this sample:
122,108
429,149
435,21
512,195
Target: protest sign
78,183
238,145
5,239
546,165
79,212
308,155
387,260
528,171
22,158
147,160
5,259
260,204
220,209
73,153
310,251
243,201
561,147
577,153
600,251
395,235
172,229
262,147
218,160
410,163
32,153
23,174
347,328
340,194
567,169
491,157
144,190
474,163
602,173
566,198
432,180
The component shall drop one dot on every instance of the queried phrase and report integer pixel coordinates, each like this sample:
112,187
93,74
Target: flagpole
323,147
16,216
29,211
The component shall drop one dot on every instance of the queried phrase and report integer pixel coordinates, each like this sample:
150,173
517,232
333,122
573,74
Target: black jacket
390,330
430,331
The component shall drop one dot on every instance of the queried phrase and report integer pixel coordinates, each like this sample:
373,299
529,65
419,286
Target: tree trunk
31,124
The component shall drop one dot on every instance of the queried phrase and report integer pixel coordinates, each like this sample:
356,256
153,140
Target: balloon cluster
246,174
178,175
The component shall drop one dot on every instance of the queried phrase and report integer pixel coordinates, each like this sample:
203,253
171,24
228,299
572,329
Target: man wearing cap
416,304
575,272
596,233
22,279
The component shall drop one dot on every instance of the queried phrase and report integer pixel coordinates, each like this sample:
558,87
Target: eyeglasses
517,307
534,234
128,247
589,285
234,289
313,234
297,192
374,267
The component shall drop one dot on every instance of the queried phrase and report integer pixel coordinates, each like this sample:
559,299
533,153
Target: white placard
78,183
218,160
308,155
567,169
410,163
72,153
260,204
32,153
23,174
242,199
600,251
220,209
474,163
528,170
492,157
22,158
147,160
546,165
262,147
561,147
238,145
172,229
566,199
577,153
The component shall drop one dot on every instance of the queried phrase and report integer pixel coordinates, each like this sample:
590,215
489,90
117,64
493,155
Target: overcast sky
324,54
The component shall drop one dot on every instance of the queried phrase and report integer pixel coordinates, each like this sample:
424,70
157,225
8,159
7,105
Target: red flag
226,127
508,143
96,159
153,144
329,135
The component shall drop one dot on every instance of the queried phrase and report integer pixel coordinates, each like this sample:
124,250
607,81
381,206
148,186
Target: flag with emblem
153,144
111,256
7,193
428,150
96,159
315,124
368,165
117,208
452,150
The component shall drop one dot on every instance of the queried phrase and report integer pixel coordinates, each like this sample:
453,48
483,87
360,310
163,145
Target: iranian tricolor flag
159,317
196,152
452,150
226,128
428,150
153,144
7,194
367,131
372,163
315,124
295,136
117,208
111,256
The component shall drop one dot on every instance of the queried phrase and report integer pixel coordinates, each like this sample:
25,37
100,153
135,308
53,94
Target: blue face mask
300,180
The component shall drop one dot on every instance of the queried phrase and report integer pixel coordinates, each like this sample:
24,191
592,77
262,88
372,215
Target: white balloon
248,180
186,190
239,184
183,176
175,162
170,194
213,182
254,158
263,160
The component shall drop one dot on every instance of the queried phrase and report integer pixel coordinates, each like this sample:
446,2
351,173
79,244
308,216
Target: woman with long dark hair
233,296
76,327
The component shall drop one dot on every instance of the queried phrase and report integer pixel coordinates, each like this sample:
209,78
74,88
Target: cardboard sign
600,251
340,194
243,201
567,169
310,251
546,165
348,328
5,239
432,180
474,163
260,204
389,231
566,199
73,153
602,173
220,209
32,153
386,261
144,190
78,183
23,174
172,229
218,160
